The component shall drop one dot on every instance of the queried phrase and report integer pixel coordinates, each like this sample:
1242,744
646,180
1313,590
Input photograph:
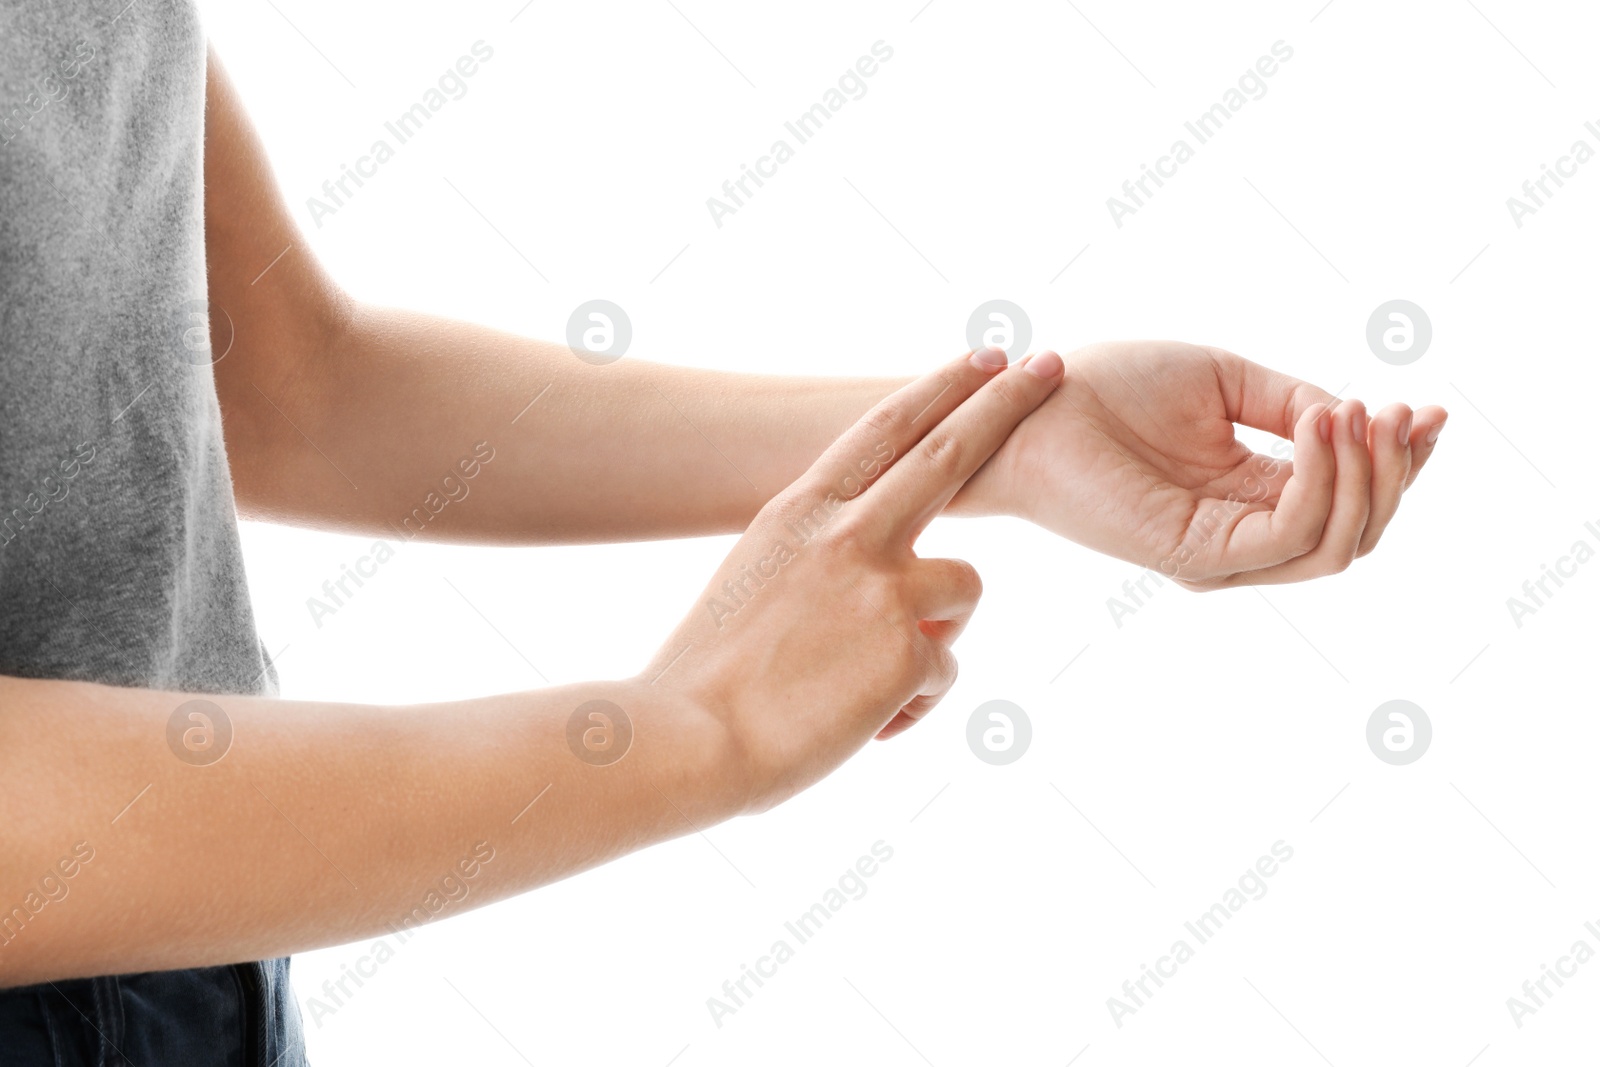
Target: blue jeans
242,1015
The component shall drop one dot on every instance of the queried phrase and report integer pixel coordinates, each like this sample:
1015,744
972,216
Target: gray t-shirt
119,551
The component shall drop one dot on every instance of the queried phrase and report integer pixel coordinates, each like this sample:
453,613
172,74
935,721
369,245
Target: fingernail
1433,434
989,359
1405,431
1325,426
1044,365
1358,426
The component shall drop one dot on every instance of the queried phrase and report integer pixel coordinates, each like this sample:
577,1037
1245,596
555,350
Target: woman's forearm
519,441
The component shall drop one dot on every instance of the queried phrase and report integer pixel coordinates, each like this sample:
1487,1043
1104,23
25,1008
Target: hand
823,627
1135,456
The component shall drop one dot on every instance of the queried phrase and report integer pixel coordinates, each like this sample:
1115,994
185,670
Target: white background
1176,748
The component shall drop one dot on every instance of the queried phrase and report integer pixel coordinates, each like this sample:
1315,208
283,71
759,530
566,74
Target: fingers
1261,397
1426,427
921,482
944,593
940,678
1308,530
1352,492
1347,516
1389,444
1221,541
901,722
890,430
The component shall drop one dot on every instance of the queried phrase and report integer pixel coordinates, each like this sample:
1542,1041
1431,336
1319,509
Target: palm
1136,442
1135,455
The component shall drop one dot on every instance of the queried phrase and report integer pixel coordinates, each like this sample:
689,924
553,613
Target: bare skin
325,823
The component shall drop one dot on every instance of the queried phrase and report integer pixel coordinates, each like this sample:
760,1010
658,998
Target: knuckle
888,417
882,595
814,509
943,451
784,507
780,508
1009,392
773,512
847,534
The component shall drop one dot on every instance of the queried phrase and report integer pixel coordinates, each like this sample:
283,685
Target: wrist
992,491
697,749
1040,452
1000,486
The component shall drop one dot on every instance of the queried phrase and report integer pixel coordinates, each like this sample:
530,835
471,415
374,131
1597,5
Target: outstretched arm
369,419
147,830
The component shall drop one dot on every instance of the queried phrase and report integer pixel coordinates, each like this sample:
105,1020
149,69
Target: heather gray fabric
119,555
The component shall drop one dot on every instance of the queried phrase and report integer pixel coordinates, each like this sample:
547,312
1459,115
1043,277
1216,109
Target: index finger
895,424
918,487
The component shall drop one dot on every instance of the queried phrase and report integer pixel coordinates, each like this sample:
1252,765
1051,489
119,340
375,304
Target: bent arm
319,824
349,416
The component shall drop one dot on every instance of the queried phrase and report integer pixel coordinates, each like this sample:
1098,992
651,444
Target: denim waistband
242,1015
